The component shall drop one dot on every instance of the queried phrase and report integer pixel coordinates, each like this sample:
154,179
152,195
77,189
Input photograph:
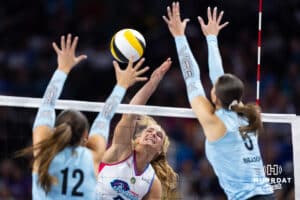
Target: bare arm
121,144
155,192
100,127
213,127
143,95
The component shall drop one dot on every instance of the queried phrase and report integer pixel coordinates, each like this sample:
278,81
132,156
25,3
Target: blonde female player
64,168
138,169
231,128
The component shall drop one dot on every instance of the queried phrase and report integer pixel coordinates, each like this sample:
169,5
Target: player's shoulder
70,153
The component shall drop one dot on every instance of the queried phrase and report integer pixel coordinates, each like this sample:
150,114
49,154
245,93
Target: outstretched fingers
223,25
141,79
74,44
172,13
220,17
66,53
166,19
169,12
159,73
185,21
116,66
176,10
215,14
69,40
139,64
201,21
81,58
130,63
142,71
62,43
203,25
167,65
209,17
66,43
55,47
177,6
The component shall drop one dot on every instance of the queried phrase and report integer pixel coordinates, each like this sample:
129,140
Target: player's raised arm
211,31
100,128
66,58
123,134
139,147
188,64
143,95
201,106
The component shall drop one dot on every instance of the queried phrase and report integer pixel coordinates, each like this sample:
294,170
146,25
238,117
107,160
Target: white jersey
121,181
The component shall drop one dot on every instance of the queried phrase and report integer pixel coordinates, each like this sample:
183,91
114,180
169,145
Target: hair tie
233,103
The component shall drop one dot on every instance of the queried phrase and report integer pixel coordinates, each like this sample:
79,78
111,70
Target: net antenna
260,3
294,120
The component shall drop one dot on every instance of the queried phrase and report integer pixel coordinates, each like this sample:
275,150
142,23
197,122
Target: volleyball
127,43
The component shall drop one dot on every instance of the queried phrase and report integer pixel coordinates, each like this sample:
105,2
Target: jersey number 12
78,174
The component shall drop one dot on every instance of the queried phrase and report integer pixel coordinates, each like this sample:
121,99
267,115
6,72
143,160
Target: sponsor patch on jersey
123,188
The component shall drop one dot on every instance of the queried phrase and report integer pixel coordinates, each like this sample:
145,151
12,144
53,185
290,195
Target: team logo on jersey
132,180
123,188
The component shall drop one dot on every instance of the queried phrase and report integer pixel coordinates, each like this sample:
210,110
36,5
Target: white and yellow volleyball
127,43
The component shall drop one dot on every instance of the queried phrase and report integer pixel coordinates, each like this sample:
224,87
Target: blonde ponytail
166,175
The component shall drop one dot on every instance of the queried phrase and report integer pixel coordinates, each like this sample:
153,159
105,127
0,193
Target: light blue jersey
74,170
236,161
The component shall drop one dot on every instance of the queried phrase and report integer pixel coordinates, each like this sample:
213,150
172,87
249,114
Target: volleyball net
283,123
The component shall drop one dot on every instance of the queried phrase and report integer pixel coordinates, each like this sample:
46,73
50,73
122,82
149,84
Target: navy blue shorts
263,197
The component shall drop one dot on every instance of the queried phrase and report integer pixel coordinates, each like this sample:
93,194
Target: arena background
27,62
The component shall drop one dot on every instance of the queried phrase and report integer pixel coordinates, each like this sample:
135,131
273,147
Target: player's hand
160,72
213,25
173,20
131,74
66,53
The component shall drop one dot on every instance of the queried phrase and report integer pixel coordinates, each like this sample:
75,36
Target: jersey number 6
247,141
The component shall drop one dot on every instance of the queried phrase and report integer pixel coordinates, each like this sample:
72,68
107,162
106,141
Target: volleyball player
231,128
135,165
63,167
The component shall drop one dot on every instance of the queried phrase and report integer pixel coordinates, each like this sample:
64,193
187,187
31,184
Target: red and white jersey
120,181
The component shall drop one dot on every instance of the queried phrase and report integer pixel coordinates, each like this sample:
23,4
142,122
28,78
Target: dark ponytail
47,150
69,128
252,113
229,90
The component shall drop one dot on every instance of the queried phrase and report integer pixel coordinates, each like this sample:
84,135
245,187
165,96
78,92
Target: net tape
29,102
294,120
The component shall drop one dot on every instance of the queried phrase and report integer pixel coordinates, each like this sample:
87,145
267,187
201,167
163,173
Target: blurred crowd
27,62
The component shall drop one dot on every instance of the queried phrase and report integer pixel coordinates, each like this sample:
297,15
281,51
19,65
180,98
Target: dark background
27,62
